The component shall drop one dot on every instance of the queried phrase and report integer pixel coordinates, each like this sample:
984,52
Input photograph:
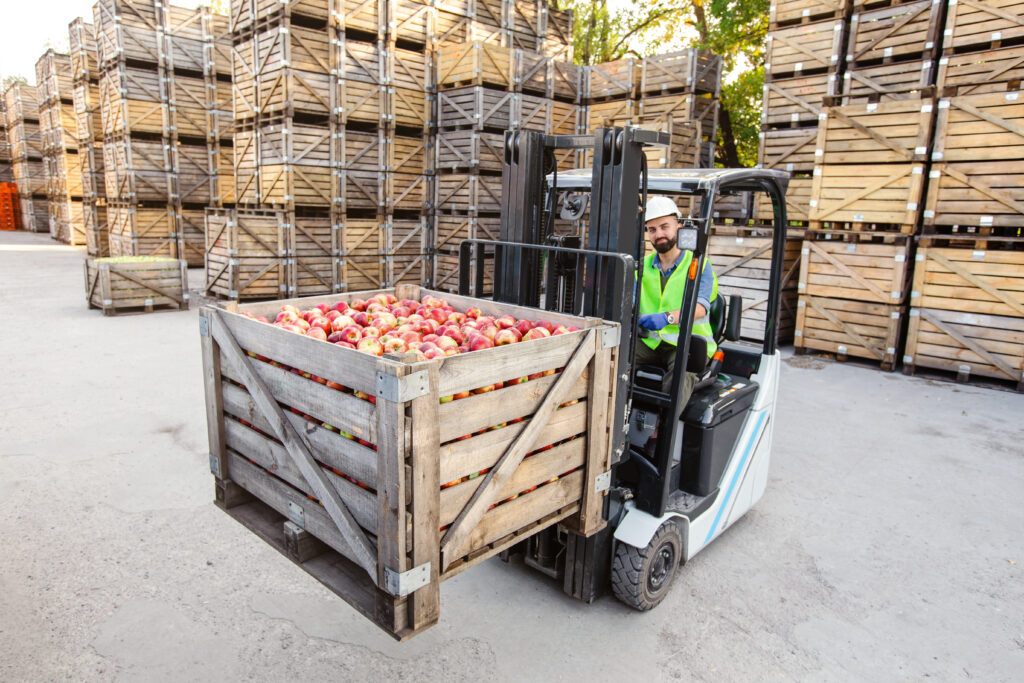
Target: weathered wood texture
82,44
787,12
475,63
980,72
969,344
742,262
985,282
405,481
980,24
895,33
789,149
876,273
804,49
244,254
469,193
887,82
883,133
976,177
692,70
798,201
796,102
619,80
35,216
849,328
129,286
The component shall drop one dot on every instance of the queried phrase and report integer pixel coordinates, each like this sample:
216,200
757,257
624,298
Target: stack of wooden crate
6,172
89,134
60,147
164,88
27,155
967,300
500,65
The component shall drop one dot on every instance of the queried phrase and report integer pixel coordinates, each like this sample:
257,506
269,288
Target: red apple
545,324
370,345
480,342
445,343
456,317
352,334
524,326
490,331
400,312
335,337
434,353
322,323
333,315
536,333
361,318
317,333
437,314
505,321
409,336
560,329
341,307
394,345
509,335
371,332
346,344
341,322
473,312
357,304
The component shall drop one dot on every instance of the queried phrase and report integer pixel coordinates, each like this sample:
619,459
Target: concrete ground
888,546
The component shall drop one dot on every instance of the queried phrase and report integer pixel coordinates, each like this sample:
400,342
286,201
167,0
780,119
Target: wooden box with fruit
132,284
388,440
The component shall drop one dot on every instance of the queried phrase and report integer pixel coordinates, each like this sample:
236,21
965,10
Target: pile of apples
430,328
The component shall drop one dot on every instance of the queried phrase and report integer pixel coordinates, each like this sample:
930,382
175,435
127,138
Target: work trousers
664,356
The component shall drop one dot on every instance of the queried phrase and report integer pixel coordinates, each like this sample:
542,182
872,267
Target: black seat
717,314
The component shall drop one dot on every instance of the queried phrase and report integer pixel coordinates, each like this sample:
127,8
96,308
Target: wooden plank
849,328
425,482
298,448
983,345
979,282
459,533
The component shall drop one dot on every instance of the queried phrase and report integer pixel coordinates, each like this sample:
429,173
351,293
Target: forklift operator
662,285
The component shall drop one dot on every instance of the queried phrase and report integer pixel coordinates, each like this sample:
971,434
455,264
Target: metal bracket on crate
296,515
603,481
214,463
404,583
400,389
610,336
204,326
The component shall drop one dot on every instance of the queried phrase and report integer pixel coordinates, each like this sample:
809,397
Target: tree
734,29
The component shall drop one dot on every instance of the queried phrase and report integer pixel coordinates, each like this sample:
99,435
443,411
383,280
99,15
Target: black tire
641,577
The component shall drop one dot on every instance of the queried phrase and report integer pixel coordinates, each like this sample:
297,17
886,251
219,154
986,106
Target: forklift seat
718,318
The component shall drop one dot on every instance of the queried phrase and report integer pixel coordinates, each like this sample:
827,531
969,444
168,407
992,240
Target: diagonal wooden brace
298,448
494,481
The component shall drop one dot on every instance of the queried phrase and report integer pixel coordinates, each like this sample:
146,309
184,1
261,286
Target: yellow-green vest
653,300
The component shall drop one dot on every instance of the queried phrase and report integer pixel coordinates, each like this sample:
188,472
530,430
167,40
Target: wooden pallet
983,24
901,32
136,285
888,82
795,102
849,328
788,12
742,263
684,71
968,344
475,63
313,254
976,177
797,51
981,72
398,523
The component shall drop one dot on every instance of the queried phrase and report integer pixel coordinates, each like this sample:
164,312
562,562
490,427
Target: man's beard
663,247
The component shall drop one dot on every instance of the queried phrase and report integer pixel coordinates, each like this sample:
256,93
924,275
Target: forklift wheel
641,576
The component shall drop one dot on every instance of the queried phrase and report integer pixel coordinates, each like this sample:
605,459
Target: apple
505,321
545,324
473,312
394,345
484,390
341,322
560,329
432,301
361,318
357,304
382,324
490,330
335,337
437,315
445,343
341,307
524,326
430,337
509,335
376,307
370,345
480,342
461,394
456,317
351,333
536,333
333,315
451,351
346,344
317,333
373,332
446,399
433,353
400,312
322,323
453,332
409,336
334,385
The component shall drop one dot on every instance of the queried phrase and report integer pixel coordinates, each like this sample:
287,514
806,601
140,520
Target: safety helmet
659,206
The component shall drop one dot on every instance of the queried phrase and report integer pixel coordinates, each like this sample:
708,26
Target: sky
28,27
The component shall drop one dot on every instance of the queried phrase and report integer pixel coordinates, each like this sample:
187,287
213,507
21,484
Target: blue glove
653,321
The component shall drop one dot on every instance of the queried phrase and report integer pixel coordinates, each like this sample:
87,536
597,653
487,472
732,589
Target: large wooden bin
136,284
426,486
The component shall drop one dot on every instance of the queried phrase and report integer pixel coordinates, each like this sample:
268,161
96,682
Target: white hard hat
660,206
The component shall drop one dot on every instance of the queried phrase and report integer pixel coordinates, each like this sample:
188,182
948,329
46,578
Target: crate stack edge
22,105
60,148
89,133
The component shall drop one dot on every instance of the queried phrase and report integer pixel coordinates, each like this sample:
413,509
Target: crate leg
799,350
301,544
963,374
228,494
908,369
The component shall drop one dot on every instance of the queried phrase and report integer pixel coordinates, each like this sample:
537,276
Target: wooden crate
790,150
26,140
566,80
849,328
685,71
969,280
701,109
362,190
366,16
475,63
126,29
883,133
742,260
611,113
294,164
35,216
875,273
88,120
399,519
409,108
82,44
976,177
981,72
612,80
408,251
362,262
468,150
795,102
293,69
313,256
969,344
314,9
468,193
887,82
246,254
532,73
94,219
407,192
446,271
136,170
476,107
450,230
860,195
136,230
979,24
134,285
901,32
787,12
53,76
803,50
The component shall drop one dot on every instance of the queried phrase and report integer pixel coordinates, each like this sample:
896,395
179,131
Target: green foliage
742,99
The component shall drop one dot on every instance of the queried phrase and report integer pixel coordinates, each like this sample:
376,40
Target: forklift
681,474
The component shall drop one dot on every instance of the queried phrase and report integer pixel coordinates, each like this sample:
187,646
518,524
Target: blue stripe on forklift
736,475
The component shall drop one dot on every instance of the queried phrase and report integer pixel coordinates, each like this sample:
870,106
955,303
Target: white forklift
681,474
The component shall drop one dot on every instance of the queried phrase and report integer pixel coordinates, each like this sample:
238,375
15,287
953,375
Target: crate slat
849,328
969,344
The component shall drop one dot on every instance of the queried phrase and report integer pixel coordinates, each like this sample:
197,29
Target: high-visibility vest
654,300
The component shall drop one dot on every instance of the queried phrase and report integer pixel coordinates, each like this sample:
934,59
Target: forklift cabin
680,474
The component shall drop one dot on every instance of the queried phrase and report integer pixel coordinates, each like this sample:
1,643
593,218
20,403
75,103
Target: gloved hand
653,321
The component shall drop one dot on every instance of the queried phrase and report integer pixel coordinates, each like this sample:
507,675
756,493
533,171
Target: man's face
662,233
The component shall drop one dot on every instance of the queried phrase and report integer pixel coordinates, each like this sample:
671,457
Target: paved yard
889,545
